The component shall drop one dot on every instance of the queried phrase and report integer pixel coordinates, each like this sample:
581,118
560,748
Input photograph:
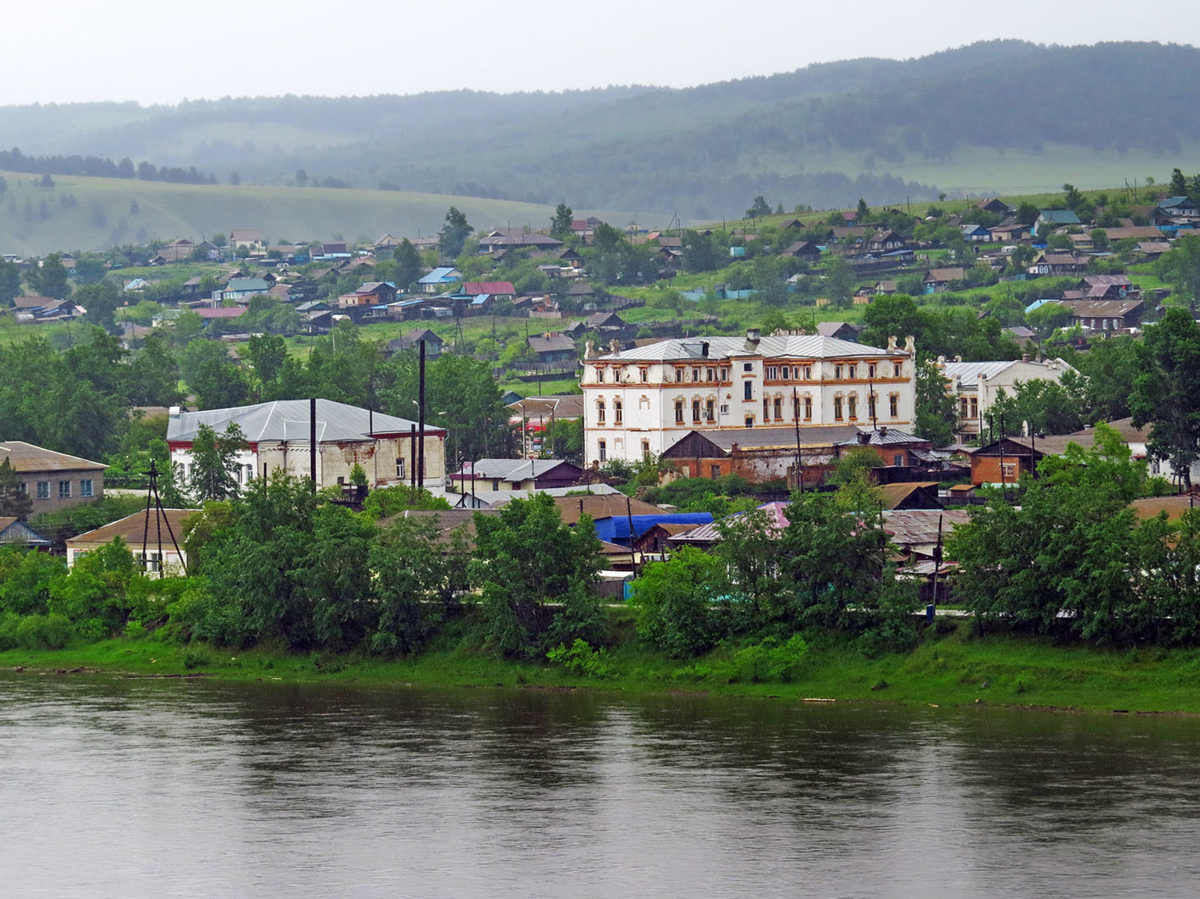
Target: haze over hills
1001,116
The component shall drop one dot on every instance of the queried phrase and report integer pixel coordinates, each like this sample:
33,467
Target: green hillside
94,213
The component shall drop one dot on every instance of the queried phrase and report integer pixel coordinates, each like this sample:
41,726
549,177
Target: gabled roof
968,373
1102,308
555,343
946,274
288,420
248,284
919,527
602,506
24,456
514,469
1059,216
473,288
798,346
1174,202
884,436
15,532
782,438
441,275
565,406
132,527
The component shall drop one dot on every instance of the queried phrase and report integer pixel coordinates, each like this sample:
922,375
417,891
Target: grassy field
947,669
81,213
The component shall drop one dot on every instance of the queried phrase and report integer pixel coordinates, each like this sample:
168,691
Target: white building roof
799,346
968,373
289,420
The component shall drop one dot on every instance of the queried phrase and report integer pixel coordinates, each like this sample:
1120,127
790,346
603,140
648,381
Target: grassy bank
948,669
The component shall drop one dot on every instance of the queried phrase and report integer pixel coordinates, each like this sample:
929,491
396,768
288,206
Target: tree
1072,198
15,501
937,415
454,233
406,264
525,557
267,353
215,462
50,278
699,252
1026,213
1166,392
560,222
101,302
758,208
677,601
1181,268
839,280
862,211
1100,239
235,179
1179,184
301,178
10,282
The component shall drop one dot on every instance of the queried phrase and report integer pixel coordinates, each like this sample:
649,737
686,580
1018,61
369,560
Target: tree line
99,167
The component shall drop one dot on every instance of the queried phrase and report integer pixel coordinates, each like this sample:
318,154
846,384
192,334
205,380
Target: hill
990,117
81,213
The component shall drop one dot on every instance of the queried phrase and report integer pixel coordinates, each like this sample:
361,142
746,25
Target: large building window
599,375
600,411
808,408
747,390
679,412
871,406
709,411
617,411
602,450
766,408
778,407
894,405
644,374
852,406
837,408
43,489
679,376
85,487
837,372
808,372
64,489
853,372
400,468
696,411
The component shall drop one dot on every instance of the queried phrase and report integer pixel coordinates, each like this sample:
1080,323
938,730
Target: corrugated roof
511,469
289,420
602,506
797,346
439,275
24,456
15,532
563,406
244,284
780,438
919,527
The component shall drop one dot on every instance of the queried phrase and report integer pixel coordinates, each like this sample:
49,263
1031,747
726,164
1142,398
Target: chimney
883,430
704,348
910,345
753,335
891,343
615,346
864,438
941,361
1024,357
958,358
589,349
174,411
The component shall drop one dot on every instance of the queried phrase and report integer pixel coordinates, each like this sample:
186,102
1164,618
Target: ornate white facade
644,400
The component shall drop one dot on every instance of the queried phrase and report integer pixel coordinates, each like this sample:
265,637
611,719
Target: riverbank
950,669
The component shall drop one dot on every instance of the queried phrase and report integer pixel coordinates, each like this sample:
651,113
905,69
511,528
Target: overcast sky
156,52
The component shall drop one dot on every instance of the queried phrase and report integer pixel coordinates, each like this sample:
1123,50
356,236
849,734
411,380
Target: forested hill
1000,116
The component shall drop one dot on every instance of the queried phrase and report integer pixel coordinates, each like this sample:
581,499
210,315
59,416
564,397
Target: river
139,787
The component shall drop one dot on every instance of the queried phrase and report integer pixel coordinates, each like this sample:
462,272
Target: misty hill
995,116
82,213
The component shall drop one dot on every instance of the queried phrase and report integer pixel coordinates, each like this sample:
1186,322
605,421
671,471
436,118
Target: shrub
43,631
769,661
581,660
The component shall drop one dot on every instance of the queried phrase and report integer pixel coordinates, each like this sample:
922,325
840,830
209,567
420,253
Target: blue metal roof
616,528
439,275
481,299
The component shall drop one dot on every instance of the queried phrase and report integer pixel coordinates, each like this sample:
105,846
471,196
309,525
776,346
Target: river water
194,788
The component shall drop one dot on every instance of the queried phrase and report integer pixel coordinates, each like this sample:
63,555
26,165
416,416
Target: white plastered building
642,401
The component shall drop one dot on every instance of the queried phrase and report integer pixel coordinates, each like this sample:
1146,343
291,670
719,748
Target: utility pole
421,416
799,455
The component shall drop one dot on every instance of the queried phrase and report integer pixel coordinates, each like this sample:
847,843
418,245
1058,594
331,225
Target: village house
1171,211
644,400
1050,219
976,385
496,289
248,240
439,279
940,280
411,340
553,348
502,239
148,536
995,206
14,532
895,448
277,437
516,474
760,454
804,250
1105,315
53,481
244,288
1058,264
373,293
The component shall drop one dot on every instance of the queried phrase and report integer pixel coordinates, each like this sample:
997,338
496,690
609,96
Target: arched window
852,405
600,408
617,411
679,412
837,407
808,407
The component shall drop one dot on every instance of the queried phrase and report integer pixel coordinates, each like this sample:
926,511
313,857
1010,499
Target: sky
155,52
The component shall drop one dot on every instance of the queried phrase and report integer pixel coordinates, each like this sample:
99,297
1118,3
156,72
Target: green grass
168,211
954,669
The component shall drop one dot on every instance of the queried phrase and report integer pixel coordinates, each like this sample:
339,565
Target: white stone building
976,385
642,401
277,436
